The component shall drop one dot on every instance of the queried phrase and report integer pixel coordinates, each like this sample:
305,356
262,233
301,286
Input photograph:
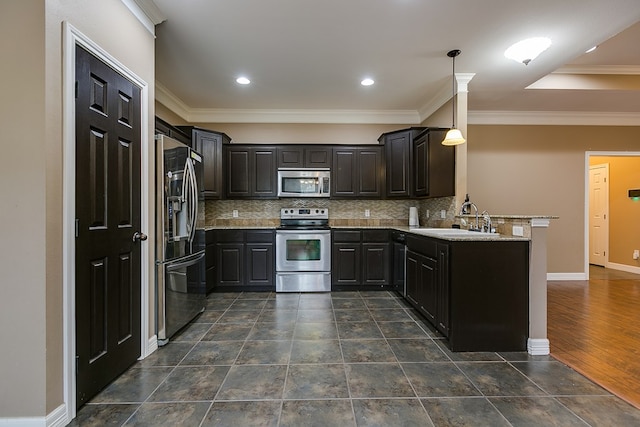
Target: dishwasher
399,261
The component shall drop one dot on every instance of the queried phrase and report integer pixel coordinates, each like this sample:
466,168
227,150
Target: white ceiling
306,58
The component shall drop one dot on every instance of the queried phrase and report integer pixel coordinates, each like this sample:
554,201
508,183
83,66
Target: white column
462,90
538,343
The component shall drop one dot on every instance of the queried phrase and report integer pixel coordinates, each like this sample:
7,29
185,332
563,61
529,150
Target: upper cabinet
358,172
164,128
399,160
250,171
310,157
209,144
417,164
434,165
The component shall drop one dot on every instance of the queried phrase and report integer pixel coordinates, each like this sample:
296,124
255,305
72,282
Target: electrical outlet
443,214
427,214
367,213
636,254
234,213
518,230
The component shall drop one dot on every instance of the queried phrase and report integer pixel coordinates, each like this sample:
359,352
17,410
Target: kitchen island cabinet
475,292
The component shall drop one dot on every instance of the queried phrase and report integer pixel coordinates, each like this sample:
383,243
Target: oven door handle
303,231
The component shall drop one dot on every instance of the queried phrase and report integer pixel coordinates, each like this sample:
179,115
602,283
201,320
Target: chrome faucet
487,221
463,211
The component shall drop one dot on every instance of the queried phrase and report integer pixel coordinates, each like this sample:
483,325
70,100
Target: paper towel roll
413,217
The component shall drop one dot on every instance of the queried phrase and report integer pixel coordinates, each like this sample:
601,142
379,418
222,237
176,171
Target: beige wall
290,133
31,300
23,214
541,170
624,213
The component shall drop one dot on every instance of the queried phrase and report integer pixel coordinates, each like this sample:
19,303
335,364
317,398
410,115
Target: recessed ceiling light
592,49
527,50
243,80
367,82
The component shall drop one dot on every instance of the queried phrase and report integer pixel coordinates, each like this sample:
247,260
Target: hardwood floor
594,327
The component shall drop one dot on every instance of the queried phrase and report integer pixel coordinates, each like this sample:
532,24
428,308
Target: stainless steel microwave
303,182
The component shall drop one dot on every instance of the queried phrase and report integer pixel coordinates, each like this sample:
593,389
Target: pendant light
454,136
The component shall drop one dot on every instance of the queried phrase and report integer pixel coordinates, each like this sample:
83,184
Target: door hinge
77,363
76,90
77,227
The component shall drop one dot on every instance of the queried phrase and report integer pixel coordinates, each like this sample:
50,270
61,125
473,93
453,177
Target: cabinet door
428,287
210,146
442,323
442,168
259,261
398,161
375,264
237,167
421,166
263,174
370,172
343,173
412,279
317,157
230,264
345,265
290,157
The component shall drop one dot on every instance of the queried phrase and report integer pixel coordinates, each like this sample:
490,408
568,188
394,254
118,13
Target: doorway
612,239
145,343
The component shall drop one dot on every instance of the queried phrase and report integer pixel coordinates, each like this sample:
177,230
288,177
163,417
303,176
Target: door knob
139,236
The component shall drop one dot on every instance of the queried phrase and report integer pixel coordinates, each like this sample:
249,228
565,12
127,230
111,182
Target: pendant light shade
454,136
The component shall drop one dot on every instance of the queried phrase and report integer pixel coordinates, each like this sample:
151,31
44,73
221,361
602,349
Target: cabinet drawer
230,236
375,236
260,236
347,235
423,245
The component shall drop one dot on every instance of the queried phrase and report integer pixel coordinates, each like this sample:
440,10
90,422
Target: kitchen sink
452,232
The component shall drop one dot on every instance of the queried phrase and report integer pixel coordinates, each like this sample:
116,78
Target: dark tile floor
340,359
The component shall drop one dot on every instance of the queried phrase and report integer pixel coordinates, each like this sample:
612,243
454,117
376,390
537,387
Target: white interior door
598,214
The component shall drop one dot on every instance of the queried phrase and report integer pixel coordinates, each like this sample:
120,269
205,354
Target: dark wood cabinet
309,157
210,260
417,164
209,144
434,165
250,172
245,260
399,161
164,128
358,172
398,265
361,259
477,303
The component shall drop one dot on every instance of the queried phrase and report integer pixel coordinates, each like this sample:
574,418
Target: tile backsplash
341,212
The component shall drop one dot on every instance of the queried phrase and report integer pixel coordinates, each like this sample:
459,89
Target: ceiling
306,58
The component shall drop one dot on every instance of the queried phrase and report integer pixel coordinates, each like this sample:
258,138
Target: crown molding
444,95
599,69
146,12
171,101
559,118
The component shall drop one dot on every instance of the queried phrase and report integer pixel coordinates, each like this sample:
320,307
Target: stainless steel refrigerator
180,287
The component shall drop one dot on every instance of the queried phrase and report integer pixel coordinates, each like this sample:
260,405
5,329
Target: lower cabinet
476,293
245,260
361,260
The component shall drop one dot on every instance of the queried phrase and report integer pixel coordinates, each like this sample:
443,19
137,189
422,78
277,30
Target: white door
598,214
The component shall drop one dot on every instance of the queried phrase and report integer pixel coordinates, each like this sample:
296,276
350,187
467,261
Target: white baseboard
566,276
152,345
58,417
623,267
538,346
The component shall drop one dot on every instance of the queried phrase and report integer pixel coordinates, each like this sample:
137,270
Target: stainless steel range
303,250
